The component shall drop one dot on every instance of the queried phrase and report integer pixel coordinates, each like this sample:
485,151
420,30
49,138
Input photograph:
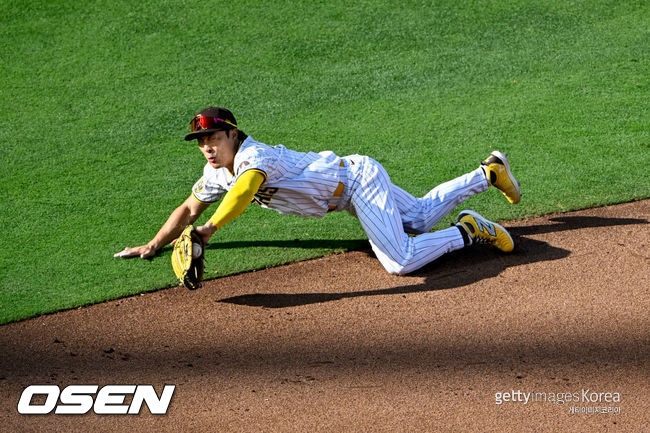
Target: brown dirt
337,344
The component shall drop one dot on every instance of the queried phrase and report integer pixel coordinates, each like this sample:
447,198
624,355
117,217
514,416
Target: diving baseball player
240,169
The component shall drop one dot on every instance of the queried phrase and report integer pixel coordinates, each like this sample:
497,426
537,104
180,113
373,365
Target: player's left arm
234,202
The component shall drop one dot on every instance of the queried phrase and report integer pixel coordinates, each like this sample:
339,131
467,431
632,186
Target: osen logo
80,399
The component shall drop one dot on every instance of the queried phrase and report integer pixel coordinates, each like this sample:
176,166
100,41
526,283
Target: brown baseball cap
210,120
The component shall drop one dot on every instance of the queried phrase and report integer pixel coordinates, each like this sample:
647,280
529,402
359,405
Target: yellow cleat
481,231
497,172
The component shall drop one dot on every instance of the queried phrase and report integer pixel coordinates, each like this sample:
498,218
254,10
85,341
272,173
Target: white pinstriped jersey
296,182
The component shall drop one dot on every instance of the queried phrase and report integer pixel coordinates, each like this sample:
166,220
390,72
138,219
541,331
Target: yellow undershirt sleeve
236,200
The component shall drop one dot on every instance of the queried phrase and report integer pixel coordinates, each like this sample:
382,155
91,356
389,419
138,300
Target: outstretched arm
183,215
234,202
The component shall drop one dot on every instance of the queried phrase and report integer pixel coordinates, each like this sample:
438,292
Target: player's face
219,148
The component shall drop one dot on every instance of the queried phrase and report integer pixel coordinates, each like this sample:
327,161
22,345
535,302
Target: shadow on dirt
454,270
574,223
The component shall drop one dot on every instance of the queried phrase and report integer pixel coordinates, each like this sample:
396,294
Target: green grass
98,95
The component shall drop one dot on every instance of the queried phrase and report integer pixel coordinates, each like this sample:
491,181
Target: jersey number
264,195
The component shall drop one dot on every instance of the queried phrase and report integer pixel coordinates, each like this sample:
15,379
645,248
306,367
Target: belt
338,192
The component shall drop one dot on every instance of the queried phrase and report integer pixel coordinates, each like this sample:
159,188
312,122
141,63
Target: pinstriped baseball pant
388,214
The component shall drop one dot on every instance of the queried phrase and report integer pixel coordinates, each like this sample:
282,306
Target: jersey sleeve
208,189
260,159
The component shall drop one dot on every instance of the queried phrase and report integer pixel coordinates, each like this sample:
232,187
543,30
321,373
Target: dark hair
241,135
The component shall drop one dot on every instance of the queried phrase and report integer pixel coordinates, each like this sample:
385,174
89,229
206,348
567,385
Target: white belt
338,192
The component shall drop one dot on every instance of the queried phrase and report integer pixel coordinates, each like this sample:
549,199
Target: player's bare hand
206,231
143,251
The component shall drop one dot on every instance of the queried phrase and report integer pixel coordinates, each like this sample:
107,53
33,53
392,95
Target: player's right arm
183,215
234,202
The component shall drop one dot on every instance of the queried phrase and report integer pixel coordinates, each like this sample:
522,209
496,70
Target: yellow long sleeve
236,200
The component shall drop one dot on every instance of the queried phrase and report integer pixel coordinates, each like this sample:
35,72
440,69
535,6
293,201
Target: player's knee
396,261
396,267
400,271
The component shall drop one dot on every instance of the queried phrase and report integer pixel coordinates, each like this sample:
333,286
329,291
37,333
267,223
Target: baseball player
240,169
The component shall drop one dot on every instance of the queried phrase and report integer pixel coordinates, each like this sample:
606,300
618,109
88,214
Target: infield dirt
337,344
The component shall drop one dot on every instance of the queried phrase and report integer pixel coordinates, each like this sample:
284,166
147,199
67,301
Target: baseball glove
187,258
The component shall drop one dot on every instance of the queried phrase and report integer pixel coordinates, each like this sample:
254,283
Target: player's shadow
565,223
333,244
457,269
